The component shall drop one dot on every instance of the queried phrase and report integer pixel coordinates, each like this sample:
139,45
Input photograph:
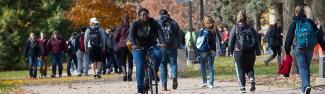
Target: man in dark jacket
275,38
171,32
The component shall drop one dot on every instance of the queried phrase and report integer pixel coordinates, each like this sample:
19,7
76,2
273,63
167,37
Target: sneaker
79,75
175,83
129,78
253,88
307,91
204,85
164,88
69,74
52,76
242,90
210,86
95,76
124,78
98,76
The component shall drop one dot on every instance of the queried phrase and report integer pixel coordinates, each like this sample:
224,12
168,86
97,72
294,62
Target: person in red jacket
57,47
42,41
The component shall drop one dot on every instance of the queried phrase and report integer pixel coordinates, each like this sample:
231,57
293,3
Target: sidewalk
115,85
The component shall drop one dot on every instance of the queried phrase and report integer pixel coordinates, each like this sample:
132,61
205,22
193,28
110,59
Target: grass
225,70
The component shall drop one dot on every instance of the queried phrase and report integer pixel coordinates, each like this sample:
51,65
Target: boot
130,75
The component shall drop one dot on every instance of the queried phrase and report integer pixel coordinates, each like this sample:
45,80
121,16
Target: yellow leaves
106,11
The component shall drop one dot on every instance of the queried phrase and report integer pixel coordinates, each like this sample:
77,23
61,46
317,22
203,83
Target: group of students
161,37
92,46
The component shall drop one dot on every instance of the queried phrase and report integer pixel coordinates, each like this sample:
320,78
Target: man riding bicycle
144,34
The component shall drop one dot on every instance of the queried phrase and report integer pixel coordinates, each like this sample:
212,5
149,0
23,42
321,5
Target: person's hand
163,45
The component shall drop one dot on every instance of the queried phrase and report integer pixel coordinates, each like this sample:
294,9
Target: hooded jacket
32,48
176,37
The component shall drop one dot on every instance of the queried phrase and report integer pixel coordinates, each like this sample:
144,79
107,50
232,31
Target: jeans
244,63
43,69
32,66
138,56
303,59
206,58
57,60
72,60
276,52
83,62
169,56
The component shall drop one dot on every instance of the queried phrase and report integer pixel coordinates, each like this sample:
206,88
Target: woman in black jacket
244,45
32,50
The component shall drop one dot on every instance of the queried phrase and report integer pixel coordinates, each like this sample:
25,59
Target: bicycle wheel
150,81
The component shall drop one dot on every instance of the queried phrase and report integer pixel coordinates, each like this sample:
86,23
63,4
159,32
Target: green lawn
225,70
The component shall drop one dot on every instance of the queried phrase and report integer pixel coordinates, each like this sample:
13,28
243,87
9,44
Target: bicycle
150,78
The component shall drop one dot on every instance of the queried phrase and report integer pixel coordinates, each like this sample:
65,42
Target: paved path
115,85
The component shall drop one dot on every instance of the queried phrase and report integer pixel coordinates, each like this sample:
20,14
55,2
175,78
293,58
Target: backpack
202,44
72,47
245,39
305,36
94,37
167,28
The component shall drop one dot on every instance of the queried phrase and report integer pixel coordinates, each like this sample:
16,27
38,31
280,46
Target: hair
241,17
209,18
30,35
299,8
141,10
57,33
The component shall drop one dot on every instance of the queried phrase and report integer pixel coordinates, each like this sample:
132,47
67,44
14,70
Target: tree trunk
288,13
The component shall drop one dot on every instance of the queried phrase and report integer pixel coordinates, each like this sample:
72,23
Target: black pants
123,55
244,63
276,52
75,62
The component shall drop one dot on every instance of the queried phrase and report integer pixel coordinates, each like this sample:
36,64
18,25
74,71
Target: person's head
208,22
278,23
163,12
300,11
32,36
241,17
143,14
225,28
125,18
55,35
317,21
83,29
42,35
93,21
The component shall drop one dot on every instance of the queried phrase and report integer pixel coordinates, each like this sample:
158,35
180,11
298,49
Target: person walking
244,45
95,45
275,39
82,54
43,54
71,52
32,52
303,35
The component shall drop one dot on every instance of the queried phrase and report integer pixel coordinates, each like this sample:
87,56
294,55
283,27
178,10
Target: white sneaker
204,85
210,86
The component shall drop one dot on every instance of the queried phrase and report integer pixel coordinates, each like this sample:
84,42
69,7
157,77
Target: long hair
210,23
241,17
55,33
30,35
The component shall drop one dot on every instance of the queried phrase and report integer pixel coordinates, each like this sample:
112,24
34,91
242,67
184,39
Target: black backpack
167,28
245,39
94,37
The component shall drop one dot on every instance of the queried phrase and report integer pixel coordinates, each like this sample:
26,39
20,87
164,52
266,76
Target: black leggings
244,63
123,55
276,52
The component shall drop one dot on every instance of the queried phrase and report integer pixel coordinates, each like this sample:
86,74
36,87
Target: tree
108,12
20,17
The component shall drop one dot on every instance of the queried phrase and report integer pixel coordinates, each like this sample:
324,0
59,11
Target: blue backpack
305,35
202,44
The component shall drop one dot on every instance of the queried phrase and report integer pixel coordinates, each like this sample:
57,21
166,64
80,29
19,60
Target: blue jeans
138,56
83,62
303,58
57,60
169,56
207,58
32,66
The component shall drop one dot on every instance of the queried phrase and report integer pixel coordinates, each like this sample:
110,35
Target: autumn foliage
107,12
